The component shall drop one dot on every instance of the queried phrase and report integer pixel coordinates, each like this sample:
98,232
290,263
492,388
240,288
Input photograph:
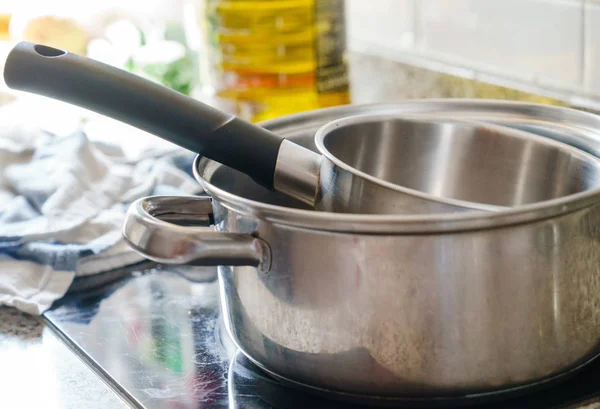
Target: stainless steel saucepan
399,172
392,308
483,167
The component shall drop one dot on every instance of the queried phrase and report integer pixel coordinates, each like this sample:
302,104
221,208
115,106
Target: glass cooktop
157,337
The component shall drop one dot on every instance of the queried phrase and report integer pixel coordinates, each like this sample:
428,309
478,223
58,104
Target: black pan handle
146,105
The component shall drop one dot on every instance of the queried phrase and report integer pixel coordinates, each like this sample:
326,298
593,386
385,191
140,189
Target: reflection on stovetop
158,338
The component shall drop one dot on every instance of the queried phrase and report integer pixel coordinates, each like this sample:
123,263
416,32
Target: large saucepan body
397,307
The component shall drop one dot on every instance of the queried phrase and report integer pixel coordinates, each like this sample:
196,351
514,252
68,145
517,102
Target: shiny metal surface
393,164
418,315
576,128
144,230
157,337
429,308
407,166
297,172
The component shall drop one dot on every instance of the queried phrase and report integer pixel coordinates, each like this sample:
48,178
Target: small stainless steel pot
401,147
391,164
396,307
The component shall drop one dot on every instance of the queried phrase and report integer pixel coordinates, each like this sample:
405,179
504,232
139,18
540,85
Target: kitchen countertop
38,370
151,368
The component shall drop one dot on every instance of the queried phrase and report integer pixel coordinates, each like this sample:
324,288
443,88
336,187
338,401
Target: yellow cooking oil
4,25
270,58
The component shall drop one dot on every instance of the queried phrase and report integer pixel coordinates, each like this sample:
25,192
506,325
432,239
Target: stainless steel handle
165,229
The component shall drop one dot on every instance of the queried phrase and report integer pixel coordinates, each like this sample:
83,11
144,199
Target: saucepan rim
402,224
326,130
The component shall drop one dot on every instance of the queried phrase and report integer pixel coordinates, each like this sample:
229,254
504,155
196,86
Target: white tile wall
534,40
382,23
549,44
592,46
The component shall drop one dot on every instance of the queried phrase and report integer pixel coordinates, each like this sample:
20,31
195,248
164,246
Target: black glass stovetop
157,337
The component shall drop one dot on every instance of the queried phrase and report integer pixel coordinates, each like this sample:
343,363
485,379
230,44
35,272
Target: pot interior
242,185
462,161
478,168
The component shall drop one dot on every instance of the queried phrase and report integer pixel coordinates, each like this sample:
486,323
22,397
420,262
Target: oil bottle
267,58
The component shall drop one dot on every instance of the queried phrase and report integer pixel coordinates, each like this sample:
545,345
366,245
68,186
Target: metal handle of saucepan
158,228
146,105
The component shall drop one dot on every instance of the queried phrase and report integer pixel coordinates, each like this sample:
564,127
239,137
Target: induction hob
157,337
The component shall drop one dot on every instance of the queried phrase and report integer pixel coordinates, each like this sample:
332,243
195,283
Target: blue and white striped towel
62,204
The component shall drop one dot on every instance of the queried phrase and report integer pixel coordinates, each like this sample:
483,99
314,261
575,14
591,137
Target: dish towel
62,206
